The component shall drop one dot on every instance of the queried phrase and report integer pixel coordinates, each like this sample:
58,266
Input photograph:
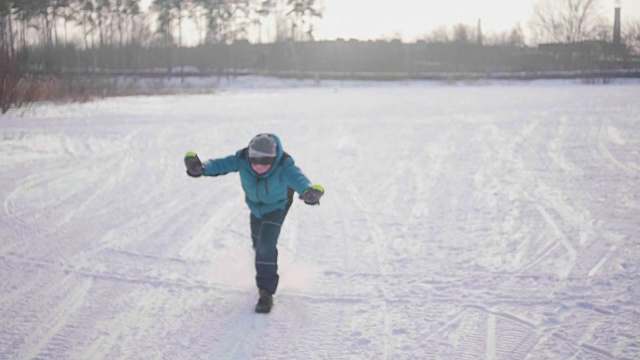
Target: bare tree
240,19
631,36
281,20
303,12
567,21
463,33
514,37
6,24
263,12
85,18
439,34
196,13
218,15
133,12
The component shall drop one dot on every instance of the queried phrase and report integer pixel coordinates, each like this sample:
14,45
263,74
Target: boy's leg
266,250
255,229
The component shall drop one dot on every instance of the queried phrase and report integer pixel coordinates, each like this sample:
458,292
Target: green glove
193,164
312,195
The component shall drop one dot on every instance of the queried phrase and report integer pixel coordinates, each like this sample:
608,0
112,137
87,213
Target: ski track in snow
459,222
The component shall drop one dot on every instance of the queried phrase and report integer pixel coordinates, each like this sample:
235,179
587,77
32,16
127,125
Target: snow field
459,222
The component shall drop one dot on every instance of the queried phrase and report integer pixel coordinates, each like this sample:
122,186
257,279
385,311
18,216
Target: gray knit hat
262,146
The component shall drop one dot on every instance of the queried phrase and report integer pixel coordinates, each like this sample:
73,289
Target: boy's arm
222,166
295,179
213,167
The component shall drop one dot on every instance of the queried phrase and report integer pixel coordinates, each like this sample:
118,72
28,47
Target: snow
494,221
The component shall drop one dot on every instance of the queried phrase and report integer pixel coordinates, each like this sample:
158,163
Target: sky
413,19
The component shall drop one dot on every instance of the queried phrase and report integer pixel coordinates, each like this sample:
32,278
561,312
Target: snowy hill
459,222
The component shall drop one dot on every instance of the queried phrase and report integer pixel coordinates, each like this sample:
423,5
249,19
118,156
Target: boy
269,178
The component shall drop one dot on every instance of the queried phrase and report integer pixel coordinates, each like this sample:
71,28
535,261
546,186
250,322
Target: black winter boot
265,302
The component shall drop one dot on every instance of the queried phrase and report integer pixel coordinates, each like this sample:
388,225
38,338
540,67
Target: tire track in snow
555,147
572,222
347,198
491,337
30,222
159,275
56,318
103,186
55,171
379,240
143,314
540,202
242,335
56,210
607,132
543,198
154,219
214,227
562,239
435,156
477,332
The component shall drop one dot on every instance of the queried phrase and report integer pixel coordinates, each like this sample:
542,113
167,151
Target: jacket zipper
266,188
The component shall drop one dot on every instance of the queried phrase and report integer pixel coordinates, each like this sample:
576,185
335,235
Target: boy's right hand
193,164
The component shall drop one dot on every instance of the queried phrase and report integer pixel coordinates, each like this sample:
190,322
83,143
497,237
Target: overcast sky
415,18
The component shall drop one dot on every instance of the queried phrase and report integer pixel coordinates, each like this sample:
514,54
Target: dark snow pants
264,234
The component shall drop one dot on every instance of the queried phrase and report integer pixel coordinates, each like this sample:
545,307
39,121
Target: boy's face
260,169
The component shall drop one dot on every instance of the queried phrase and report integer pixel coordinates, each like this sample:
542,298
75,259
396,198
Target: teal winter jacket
267,192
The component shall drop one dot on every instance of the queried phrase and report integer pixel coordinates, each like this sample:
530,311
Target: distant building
617,40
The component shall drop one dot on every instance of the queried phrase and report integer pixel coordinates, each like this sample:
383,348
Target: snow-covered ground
459,222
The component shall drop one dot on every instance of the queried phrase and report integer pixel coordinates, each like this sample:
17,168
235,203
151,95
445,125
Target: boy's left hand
312,195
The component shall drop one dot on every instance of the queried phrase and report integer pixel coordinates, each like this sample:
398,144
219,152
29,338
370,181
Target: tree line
100,23
99,34
108,34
